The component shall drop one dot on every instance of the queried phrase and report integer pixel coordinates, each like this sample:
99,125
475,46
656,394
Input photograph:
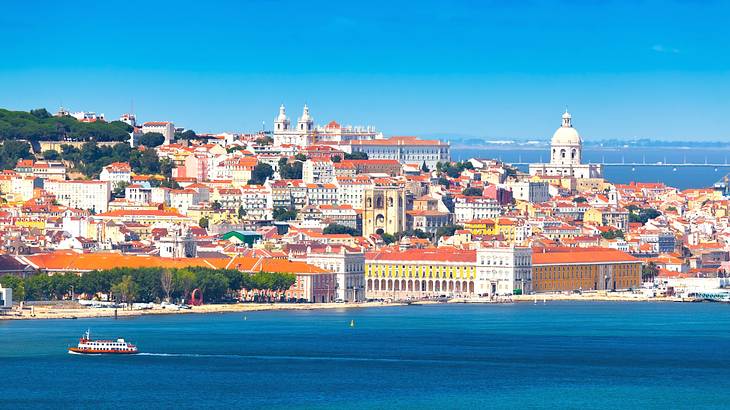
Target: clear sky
656,69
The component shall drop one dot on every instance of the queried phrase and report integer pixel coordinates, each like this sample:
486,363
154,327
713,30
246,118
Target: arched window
390,202
380,219
572,154
379,202
562,153
369,202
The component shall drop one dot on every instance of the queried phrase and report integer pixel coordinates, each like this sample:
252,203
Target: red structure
196,297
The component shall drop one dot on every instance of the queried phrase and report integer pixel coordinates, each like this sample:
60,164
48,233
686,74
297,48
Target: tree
119,189
126,290
283,214
388,238
266,140
424,167
16,284
447,230
356,155
166,283
13,151
51,155
40,113
184,280
216,205
151,139
336,158
300,157
261,172
579,200
473,191
186,135
333,229
649,272
290,171
241,212
613,234
204,222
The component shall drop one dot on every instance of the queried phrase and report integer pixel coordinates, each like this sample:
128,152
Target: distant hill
39,124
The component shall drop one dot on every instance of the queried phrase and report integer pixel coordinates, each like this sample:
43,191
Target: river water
681,177
554,355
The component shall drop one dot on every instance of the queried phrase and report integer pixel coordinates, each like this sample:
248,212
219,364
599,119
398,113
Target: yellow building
385,209
416,273
481,227
557,270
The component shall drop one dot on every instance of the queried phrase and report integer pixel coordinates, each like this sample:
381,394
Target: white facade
348,267
530,191
302,135
89,195
406,150
468,208
167,129
116,173
502,270
6,298
566,150
318,171
351,191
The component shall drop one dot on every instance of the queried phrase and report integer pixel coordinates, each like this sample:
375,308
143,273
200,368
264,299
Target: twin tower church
566,149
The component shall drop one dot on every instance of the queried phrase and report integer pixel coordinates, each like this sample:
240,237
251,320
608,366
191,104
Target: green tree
40,113
336,159
216,206
16,284
125,290
283,214
51,155
261,172
300,157
473,191
649,271
332,229
388,238
424,167
204,222
151,139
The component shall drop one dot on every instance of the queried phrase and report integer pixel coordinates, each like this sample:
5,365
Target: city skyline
490,71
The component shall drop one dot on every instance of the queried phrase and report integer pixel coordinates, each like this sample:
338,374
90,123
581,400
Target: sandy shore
51,312
61,312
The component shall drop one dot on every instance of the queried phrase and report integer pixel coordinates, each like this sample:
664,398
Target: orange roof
424,255
562,256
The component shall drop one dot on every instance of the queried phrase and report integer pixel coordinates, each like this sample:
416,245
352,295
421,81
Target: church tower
305,125
281,123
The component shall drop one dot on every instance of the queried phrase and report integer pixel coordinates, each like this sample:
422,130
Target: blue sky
490,69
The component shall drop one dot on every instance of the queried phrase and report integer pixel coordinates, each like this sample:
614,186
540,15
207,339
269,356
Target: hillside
39,125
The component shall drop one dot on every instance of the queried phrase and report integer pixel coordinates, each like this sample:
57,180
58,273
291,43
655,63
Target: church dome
566,134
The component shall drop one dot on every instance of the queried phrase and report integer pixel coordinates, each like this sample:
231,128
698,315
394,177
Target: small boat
88,346
352,323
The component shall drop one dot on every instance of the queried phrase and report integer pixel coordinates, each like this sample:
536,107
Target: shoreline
51,312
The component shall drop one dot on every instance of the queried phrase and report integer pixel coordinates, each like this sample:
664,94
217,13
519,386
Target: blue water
682,177
558,355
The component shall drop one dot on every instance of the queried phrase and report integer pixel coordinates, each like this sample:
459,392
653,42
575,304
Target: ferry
88,346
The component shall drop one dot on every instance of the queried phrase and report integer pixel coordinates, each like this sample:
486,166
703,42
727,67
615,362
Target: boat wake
304,358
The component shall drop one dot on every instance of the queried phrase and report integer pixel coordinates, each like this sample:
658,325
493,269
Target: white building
348,265
6,298
117,173
469,208
566,149
334,132
503,269
406,150
302,135
351,190
530,191
89,195
22,187
167,129
318,171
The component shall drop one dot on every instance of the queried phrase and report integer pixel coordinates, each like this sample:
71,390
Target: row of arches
402,285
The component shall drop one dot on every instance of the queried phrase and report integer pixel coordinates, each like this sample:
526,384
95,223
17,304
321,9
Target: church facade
566,150
303,135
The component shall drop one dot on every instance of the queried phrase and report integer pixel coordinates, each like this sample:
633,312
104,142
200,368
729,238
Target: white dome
282,113
566,136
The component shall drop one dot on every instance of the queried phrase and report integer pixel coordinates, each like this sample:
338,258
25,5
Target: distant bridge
650,164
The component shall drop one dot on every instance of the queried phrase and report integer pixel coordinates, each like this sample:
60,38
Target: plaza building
504,270
419,273
569,269
566,150
405,150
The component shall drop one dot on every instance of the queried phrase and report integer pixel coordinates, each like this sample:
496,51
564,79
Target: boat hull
76,350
